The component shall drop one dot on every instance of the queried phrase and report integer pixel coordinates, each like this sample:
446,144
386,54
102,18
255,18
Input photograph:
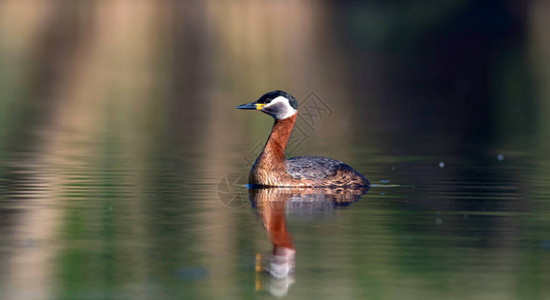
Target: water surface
123,160
91,221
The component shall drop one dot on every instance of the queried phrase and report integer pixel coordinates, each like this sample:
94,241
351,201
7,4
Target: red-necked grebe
273,169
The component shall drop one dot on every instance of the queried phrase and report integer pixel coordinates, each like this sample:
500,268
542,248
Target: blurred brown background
440,66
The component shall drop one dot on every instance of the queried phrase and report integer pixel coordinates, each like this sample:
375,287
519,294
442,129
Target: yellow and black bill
251,105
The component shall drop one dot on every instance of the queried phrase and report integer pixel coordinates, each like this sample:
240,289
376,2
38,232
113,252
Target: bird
273,169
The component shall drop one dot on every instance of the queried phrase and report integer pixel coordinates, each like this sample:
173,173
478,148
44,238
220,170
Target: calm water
123,161
95,220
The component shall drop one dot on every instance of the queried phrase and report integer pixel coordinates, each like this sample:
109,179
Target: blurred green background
437,66
117,121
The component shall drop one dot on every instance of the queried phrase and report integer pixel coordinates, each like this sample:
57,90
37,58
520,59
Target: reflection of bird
272,204
272,169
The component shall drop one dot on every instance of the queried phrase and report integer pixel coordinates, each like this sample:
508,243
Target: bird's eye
268,101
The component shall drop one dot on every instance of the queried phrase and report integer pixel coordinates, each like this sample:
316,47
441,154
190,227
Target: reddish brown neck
274,150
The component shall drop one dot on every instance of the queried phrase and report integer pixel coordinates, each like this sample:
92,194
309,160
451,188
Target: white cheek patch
287,110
